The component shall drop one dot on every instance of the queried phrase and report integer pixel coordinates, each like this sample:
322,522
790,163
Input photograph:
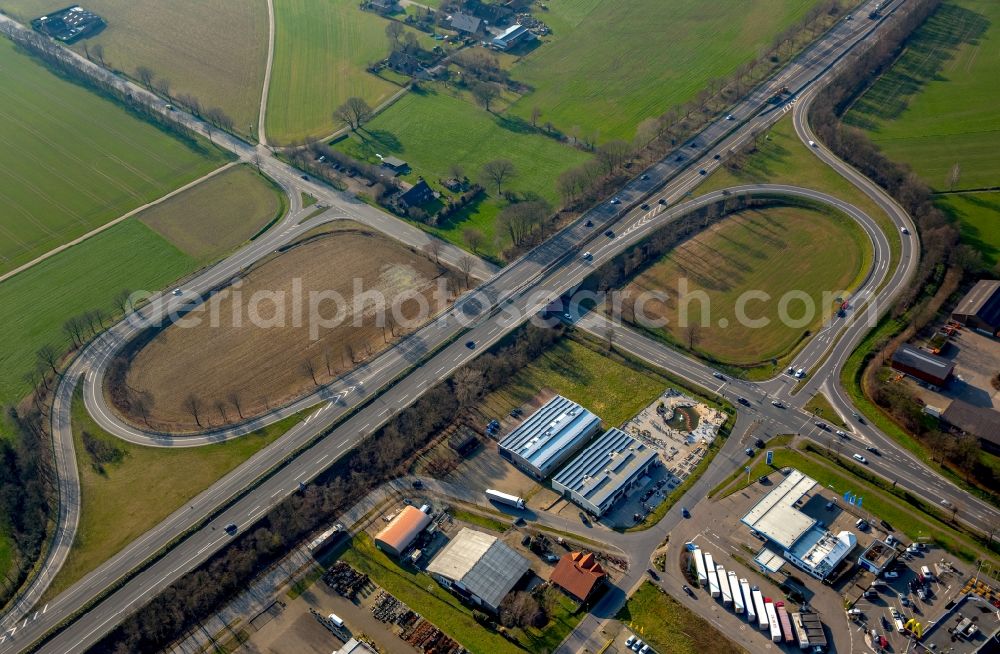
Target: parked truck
772,620
748,601
727,591
699,564
713,577
734,583
758,603
504,498
800,631
786,624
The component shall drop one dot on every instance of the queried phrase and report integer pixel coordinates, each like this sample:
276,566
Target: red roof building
578,574
405,527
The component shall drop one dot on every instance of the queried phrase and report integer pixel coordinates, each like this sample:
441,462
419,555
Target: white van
926,572
336,621
586,256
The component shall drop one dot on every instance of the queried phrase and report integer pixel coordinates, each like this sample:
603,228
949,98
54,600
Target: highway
419,361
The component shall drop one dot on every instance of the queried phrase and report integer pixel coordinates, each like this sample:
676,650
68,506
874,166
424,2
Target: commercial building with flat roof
803,543
401,531
922,365
980,308
971,626
876,557
605,471
478,567
355,646
549,436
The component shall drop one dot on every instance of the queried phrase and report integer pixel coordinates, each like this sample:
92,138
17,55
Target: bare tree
124,300
309,368
49,357
354,113
220,406
465,265
692,332
142,403
469,385
456,171
394,30
954,175
145,75
162,86
236,401
74,329
473,238
536,113
433,249
193,405
485,93
98,51
498,171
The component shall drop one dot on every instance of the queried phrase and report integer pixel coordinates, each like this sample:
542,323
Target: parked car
748,451
759,443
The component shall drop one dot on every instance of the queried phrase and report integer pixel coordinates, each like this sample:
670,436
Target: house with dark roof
981,422
579,575
404,63
466,24
980,308
418,194
395,164
922,365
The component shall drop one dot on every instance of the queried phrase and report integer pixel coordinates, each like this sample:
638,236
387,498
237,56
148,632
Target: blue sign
770,457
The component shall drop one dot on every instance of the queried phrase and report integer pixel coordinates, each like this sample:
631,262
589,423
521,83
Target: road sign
770,457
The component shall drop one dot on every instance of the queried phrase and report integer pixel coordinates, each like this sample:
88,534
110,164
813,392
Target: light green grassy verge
819,406
131,497
446,612
668,626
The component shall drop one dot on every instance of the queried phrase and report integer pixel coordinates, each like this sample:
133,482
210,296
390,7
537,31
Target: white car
860,458
777,404
586,256
812,144
637,645
800,373
904,230
629,641
176,291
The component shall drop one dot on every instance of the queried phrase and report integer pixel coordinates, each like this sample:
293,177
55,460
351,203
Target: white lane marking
277,492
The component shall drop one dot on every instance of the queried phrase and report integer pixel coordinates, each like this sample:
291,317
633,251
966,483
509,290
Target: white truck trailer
734,583
748,601
758,602
713,577
699,564
772,620
727,592
504,498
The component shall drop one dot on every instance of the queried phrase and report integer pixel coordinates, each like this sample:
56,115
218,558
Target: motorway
412,366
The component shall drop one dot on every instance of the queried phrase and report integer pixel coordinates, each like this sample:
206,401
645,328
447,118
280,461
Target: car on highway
589,223
702,172
586,256
777,404
679,157
644,177
610,233
719,375
800,373
231,529
843,434
812,144
685,513
744,401
305,177
873,450
717,156
566,316
645,206
822,425
730,117
652,573
663,201
470,344
904,230
176,291
418,484
616,200
687,589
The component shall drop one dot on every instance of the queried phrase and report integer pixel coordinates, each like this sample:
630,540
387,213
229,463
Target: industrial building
921,365
605,471
579,575
802,541
971,626
478,567
402,530
549,436
980,308
355,646
69,24
512,36
979,421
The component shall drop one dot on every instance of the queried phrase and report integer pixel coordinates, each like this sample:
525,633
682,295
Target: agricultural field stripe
114,222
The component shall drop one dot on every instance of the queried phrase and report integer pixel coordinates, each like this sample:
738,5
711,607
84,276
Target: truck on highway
758,603
772,620
786,624
727,591
504,498
713,577
699,564
748,601
734,583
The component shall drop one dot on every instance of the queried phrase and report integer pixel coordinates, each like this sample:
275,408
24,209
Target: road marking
276,492
45,609
320,460
254,510
343,443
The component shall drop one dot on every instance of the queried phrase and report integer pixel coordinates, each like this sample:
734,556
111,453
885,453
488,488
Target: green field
212,218
215,50
72,160
321,51
937,105
978,216
434,129
668,626
447,613
609,388
128,498
610,64
38,301
750,251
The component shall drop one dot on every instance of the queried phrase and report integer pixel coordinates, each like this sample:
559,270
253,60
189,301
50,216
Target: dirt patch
247,356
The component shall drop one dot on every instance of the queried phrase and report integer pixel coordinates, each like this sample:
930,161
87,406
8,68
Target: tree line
381,457
945,264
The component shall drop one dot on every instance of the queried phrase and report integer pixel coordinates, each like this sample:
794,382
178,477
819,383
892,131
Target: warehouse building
512,36
980,308
605,471
549,436
402,530
802,541
478,568
922,365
